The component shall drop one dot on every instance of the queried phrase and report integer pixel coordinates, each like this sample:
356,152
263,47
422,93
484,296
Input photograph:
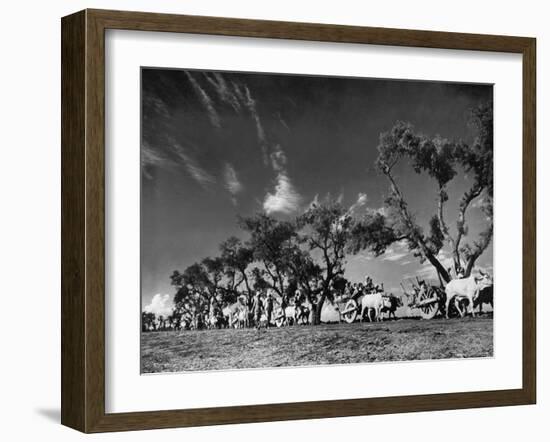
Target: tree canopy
441,160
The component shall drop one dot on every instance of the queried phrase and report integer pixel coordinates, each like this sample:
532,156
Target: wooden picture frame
83,220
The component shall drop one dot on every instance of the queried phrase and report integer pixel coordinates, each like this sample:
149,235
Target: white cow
290,314
242,317
375,301
466,288
230,313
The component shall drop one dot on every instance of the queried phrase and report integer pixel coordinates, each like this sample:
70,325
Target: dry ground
404,339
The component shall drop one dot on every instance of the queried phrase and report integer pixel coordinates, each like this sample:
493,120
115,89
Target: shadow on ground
51,414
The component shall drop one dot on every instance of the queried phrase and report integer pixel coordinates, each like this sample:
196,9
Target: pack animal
485,297
376,302
394,303
466,288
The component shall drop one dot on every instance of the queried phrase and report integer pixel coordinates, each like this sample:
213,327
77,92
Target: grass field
405,339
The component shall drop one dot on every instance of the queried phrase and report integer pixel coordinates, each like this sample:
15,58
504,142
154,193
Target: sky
215,145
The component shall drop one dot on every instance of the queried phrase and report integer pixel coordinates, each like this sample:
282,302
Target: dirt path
405,339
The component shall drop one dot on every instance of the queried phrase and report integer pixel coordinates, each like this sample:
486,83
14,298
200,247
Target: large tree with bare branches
441,160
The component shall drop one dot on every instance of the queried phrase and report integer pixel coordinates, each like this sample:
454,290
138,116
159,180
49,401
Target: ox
376,302
394,303
286,316
243,317
230,313
290,314
485,297
302,313
466,288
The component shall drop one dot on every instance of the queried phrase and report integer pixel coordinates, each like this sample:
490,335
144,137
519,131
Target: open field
405,339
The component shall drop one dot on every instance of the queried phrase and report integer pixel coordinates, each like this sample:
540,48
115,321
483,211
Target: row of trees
310,251
307,253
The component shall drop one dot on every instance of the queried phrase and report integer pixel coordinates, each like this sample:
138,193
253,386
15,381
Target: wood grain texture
83,220
73,257
529,221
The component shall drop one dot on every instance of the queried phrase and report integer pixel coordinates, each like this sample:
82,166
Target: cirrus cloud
231,180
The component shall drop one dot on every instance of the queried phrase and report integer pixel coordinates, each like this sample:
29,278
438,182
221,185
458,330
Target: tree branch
414,234
467,198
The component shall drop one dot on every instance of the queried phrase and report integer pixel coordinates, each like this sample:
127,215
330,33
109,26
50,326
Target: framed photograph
267,221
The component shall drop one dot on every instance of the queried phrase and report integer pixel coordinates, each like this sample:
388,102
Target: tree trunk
470,265
416,238
438,266
246,282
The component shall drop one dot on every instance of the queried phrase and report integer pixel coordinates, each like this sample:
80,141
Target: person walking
257,309
268,307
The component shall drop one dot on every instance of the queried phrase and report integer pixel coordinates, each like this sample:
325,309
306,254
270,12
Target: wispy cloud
160,305
283,122
360,202
285,198
278,159
200,175
396,252
156,104
428,271
225,93
361,199
424,273
314,201
382,211
251,105
231,180
151,157
363,256
192,167
205,100
393,256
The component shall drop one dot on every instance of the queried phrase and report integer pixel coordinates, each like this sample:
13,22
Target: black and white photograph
300,220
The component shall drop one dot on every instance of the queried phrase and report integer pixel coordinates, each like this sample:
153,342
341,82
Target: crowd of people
264,309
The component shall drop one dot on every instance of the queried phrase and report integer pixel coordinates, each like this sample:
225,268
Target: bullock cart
350,308
291,316
428,299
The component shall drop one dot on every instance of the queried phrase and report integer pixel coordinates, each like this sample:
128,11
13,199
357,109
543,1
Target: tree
212,274
147,320
306,273
259,278
372,232
440,159
185,304
197,285
236,258
273,243
327,231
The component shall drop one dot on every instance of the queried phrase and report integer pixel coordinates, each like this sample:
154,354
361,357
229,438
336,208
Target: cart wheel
350,311
280,318
430,310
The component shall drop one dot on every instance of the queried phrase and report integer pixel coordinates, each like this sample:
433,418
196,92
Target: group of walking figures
348,302
267,308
